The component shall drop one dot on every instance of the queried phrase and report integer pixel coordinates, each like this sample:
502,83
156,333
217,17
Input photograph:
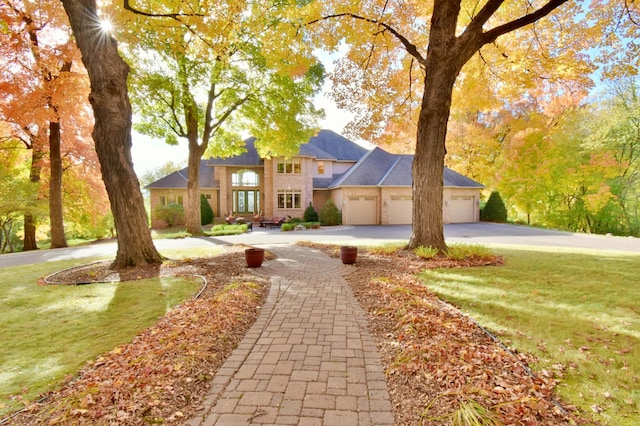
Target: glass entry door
246,202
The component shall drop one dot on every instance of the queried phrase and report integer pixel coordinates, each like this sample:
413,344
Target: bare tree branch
492,35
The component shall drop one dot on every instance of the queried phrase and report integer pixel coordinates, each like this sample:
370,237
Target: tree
44,92
112,134
329,214
170,213
494,210
223,68
17,192
206,212
310,214
431,49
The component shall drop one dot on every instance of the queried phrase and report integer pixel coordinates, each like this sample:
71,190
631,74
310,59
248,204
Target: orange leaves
444,360
164,371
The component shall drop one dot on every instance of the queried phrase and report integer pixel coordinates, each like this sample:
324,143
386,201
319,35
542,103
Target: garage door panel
400,210
461,209
362,210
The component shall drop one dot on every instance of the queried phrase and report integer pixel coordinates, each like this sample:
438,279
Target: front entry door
246,202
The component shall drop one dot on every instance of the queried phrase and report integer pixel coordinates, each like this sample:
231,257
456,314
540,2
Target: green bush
494,210
206,212
291,224
224,229
330,215
462,251
170,213
288,226
426,252
310,214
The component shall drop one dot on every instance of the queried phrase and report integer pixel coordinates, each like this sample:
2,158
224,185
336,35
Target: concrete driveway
489,234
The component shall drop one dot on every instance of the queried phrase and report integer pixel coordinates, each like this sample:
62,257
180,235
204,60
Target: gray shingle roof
179,179
452,178
373,168
380,168
369,170
336,146
248,158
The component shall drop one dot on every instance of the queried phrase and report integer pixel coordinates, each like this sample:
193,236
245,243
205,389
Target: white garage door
461,209
362,210
400,210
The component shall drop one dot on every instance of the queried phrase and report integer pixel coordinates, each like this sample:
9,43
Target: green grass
49,332
577,312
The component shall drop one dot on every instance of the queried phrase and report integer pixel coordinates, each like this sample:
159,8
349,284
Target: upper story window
245,178
291,166
320,167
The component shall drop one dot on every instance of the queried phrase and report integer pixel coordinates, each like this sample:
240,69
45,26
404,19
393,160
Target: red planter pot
348,254
254,257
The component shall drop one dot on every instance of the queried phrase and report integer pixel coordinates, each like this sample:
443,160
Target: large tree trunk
443,64
55,188
30,241
192,211
112,134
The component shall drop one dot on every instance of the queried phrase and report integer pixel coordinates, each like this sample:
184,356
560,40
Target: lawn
48,333
577,312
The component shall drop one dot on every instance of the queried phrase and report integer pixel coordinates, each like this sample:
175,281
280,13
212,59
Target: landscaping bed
439,364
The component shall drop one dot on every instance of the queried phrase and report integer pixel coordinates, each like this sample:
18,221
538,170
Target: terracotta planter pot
348,254
254,257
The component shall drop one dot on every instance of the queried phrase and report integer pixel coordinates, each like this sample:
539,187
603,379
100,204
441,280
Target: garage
400,210
461,209
361,210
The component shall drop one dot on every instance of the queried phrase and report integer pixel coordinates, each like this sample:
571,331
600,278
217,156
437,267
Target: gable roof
381,168
330,145
375,167
368,171
180,178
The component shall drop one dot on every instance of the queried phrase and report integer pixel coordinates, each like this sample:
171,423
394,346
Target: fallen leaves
440,365
165,371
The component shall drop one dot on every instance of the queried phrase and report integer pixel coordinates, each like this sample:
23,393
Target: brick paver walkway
308,359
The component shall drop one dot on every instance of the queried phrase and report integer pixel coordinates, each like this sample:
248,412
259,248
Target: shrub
310,214
288,226
330,215
494,210
462,251
387,248
170,213
206,212
426,252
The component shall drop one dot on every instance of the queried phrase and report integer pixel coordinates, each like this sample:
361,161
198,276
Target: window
245,178
289,166
164,199
289,199
320,167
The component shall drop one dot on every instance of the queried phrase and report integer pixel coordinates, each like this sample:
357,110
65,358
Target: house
369,186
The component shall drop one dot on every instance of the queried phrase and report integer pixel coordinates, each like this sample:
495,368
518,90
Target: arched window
245,178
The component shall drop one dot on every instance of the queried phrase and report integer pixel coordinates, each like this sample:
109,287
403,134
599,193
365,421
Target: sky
150,154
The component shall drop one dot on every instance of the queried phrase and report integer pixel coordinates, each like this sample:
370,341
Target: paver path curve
308,359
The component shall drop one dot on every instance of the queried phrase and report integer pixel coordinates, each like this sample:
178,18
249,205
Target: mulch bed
437,361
